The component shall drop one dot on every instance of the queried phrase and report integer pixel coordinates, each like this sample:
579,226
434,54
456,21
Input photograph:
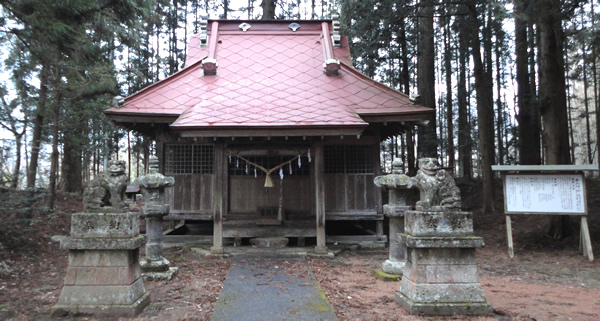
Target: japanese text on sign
558,193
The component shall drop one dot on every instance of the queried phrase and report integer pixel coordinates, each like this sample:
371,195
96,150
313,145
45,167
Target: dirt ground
547,280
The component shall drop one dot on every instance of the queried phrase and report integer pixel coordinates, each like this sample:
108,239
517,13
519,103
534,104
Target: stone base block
131,243
274,242
105,225
321,250
217,250
442,274
322,254
429,223
395,210
74,295
440,256
393,267
441,308
161,276
100,258
127,310
444,293
102,275
149,266
441,242
155,210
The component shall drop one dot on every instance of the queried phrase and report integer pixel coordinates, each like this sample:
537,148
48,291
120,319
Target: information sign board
546,189
555,193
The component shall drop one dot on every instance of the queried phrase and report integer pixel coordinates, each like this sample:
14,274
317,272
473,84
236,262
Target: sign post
546,190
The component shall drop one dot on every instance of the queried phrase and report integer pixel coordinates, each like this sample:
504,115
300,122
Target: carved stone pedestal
397,253
103,276
154,266
440,276
396,183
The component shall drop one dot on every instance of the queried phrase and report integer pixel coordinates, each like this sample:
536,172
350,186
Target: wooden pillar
379,228
377,172
159,138
219,169
377,191
319,171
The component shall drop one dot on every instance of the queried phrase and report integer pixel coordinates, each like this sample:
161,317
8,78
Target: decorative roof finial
294,26
336,26
204,31
118,101
245,26
415,99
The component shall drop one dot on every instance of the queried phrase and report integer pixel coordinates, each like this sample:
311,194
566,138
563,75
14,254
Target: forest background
512,82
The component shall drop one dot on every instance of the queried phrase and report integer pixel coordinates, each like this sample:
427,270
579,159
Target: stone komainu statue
437,187
107,191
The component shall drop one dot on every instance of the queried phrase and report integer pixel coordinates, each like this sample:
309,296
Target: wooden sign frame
535,185
546,186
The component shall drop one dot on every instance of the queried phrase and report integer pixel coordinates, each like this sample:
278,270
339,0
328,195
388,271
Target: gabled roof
269,80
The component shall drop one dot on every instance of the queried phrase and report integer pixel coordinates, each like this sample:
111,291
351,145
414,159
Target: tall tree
485,108
528,116
38,125
465,144
426,77
73,39
448,55
553,98
54,158
552,83
16,112
16,126
268,7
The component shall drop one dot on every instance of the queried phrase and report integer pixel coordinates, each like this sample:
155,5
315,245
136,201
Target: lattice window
238,166
349,159
189,159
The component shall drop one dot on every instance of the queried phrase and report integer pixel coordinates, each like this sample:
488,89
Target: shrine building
270,132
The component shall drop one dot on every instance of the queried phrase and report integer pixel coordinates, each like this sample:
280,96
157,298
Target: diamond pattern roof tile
267,80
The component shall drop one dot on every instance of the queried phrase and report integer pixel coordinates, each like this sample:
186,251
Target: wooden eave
270,131
146,124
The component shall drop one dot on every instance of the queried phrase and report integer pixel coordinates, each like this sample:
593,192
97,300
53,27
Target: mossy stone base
161,276
393,267
123,310
445,309
381,275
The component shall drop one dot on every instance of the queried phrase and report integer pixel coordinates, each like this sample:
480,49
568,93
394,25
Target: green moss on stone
379,274
320,305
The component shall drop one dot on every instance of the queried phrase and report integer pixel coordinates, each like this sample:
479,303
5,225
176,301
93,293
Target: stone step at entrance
270,242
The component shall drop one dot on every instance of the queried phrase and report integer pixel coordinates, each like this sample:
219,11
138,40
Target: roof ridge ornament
336,38
244,26
118,101
414,99
294,26
209,64
331,65
203,31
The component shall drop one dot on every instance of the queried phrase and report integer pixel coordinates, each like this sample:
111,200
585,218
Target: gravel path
277,288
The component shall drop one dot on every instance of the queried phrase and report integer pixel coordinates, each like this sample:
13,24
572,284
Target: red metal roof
268,77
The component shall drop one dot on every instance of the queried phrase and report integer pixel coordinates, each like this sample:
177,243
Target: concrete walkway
271,289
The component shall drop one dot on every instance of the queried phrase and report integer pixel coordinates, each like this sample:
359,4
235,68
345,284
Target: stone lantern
154,265
397,184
